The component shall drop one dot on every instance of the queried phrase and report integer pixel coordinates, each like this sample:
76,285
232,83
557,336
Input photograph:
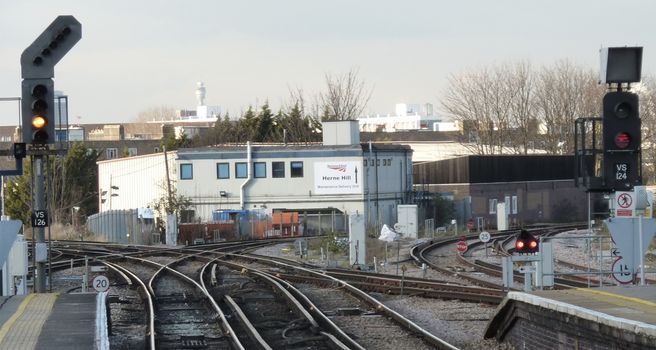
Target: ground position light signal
526,243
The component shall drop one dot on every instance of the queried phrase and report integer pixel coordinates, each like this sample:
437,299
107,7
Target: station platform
583,318
53,321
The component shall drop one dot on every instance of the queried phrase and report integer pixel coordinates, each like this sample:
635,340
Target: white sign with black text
338,177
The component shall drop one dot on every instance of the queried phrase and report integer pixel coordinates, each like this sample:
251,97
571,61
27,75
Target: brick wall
536,328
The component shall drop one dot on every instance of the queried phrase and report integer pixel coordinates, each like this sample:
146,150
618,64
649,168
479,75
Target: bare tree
346,96
521,86
511,109
481,102
647,93
565,92
156,114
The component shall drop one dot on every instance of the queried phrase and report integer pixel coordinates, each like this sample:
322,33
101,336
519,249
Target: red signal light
622,140
526,243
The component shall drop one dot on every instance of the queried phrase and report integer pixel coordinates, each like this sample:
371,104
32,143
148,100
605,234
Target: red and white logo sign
338,167
461,246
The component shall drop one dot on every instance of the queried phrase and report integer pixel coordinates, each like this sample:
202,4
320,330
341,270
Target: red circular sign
624,200
461,246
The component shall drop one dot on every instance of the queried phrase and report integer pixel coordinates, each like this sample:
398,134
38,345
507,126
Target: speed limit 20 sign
101,283
40,218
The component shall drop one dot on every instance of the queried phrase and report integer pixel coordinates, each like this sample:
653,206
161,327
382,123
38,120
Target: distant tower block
200,93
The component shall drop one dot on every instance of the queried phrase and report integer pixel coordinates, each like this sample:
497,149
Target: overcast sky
137,54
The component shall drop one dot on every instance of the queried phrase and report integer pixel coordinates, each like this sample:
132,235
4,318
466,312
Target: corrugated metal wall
490,169
123,226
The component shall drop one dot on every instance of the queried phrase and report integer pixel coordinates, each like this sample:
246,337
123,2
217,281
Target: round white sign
622,272
397,227
484,236
101,283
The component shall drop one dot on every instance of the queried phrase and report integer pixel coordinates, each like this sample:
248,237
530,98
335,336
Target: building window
186,171
241,170
260,169
365,162
132,151
493,206
187,216
222,171
296,169
111,153
377,162
278,169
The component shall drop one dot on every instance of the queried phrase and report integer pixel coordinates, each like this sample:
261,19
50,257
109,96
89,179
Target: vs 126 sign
40,218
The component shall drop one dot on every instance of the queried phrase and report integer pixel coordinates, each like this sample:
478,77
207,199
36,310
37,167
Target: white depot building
407,117
341,175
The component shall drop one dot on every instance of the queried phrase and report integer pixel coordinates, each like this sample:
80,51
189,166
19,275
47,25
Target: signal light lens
519,245
622,140
39,91
623,110
39,122
532,244
39,106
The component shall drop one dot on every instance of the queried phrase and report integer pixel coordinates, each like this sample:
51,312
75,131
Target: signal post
38,118
615,168
527,252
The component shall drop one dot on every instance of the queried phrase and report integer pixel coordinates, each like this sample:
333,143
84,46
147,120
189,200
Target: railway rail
501,240
169,325
323,308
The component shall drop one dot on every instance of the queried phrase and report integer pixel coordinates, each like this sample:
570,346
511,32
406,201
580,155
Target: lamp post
74,211
112,194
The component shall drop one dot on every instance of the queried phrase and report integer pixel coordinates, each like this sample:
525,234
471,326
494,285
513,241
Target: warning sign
624,200
624,204
623,212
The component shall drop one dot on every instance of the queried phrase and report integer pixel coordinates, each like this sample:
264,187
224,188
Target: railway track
220,277
183,314
420,254
309,277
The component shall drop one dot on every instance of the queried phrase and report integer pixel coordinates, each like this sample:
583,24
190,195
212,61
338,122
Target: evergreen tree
247,126
171,142
71,181
264,125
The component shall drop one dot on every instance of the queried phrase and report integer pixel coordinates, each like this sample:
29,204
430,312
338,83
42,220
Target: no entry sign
461,246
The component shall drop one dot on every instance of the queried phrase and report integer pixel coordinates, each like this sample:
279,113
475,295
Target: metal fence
254,224
123,226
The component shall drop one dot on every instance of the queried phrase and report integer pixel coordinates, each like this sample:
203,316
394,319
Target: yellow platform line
22,329
618,296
